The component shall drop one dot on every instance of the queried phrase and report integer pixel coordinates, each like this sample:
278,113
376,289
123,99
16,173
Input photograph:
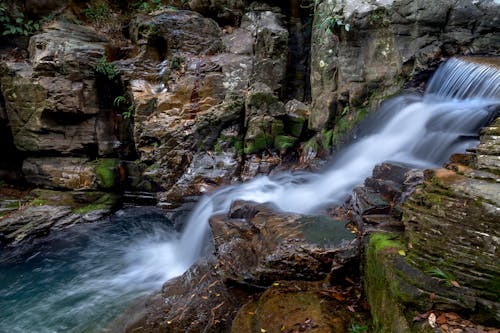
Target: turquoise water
79,279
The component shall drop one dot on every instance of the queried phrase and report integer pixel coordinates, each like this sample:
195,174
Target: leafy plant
124,101
357,328
105,68
15,23
148,6
448,279
97,12
331,22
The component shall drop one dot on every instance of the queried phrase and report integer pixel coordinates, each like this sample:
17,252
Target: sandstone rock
256,246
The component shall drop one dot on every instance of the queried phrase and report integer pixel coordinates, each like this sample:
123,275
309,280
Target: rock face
363,51
196,101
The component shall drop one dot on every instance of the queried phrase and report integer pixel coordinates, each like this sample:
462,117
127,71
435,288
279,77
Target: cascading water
84,276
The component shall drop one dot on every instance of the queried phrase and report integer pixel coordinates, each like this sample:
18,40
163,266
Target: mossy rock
284,141
107,172
107,201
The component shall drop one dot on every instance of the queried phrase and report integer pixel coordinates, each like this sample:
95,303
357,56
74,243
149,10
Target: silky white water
83,277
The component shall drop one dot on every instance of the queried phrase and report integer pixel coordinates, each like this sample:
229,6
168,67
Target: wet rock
255,245
270,47
197,301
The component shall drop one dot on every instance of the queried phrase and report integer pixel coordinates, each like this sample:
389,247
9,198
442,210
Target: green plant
122,101
129,113
448,279
148,6
331,22
97,12
14,22
105,68
357,328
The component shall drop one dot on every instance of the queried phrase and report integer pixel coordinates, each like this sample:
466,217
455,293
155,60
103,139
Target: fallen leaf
402,253
276,284
338,297
250,313
351,308
349,280
441,319
169,322
432,320
455,284
263,330
204,297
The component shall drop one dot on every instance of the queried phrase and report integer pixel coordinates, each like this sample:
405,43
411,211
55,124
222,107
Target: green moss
106,170
38,202
258,143
284,141
387,313
107,201
326,139
294,126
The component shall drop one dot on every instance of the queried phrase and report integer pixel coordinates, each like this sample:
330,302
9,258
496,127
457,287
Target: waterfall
113,263
422,131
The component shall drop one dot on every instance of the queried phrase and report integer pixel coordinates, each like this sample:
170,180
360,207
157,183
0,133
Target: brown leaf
351,308
452,316
455,284
338,297
441,319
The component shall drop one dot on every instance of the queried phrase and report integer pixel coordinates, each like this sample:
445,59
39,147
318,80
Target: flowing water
77,280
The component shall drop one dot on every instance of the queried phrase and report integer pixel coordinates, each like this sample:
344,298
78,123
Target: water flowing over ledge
136,256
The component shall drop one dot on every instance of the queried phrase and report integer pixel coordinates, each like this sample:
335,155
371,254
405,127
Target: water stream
79,279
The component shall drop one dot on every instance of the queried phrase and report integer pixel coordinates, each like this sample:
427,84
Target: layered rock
364,51
445,257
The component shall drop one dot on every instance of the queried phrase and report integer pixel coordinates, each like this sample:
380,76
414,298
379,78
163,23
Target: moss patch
106,201
284,141
387,312
107,170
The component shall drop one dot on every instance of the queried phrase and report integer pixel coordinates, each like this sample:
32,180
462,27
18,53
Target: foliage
331,22
357,328
442,275
13,22
122,101
97,12
148,6
105,68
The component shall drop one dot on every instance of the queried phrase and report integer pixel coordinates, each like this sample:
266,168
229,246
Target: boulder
255,245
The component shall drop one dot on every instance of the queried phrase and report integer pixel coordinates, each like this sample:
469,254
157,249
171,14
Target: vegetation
122,102
97,12
105,68
13,22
